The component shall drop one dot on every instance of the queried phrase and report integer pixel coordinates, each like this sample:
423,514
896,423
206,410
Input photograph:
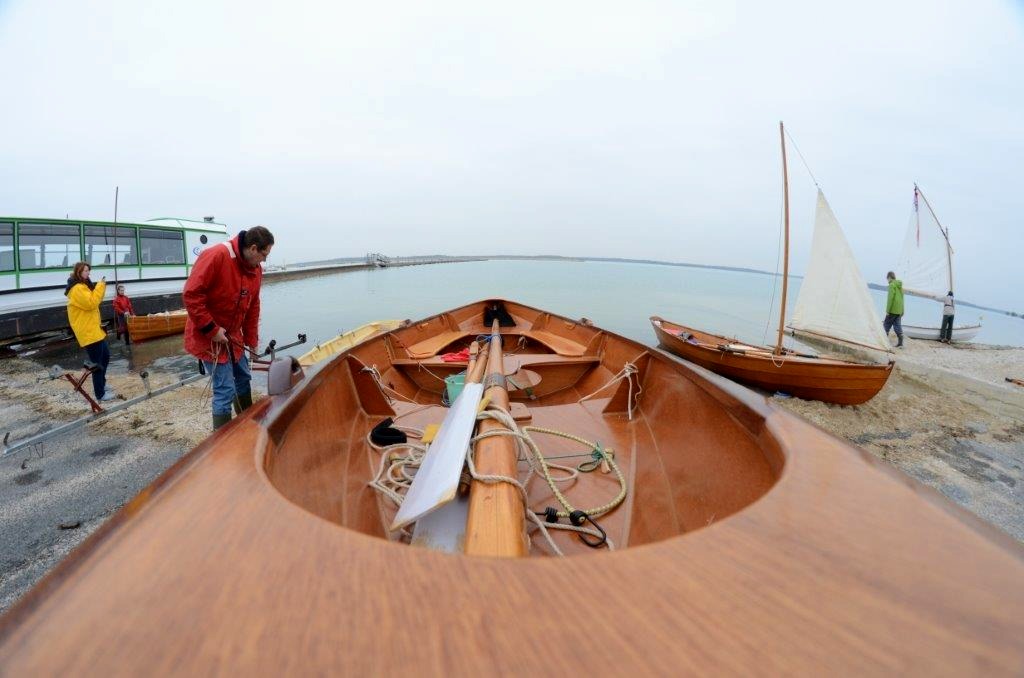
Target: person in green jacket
894,308
84,298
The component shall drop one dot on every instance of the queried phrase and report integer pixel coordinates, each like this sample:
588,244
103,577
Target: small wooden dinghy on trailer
748,540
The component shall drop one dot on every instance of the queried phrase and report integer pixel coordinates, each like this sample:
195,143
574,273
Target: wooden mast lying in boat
495,526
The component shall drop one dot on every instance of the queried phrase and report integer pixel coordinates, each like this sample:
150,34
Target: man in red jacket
222,297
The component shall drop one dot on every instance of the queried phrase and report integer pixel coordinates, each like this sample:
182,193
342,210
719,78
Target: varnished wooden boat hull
143,327
760,544
831,381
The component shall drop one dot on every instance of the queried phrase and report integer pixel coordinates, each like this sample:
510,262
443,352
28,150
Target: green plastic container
453,385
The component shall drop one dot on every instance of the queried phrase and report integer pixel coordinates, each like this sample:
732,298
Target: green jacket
894,304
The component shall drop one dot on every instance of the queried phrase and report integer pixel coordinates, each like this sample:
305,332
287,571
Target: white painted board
437,479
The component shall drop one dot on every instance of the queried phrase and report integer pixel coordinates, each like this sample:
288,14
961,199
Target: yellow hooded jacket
84,312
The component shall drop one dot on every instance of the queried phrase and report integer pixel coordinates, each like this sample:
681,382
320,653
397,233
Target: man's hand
220,337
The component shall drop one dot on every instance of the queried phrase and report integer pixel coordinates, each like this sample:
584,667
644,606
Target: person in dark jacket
222,297
948,310
894,308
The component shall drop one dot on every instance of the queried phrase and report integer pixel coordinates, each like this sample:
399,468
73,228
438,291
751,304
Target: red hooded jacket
222,291
122,305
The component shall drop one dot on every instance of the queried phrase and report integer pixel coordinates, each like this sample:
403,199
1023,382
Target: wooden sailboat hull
143,327
828,380
768,546
962,333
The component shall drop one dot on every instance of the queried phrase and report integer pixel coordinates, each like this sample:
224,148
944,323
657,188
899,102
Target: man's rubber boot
220,419
899,344
242,402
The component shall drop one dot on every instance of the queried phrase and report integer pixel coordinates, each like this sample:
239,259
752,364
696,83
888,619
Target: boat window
162,247
105,245
6,247
48,246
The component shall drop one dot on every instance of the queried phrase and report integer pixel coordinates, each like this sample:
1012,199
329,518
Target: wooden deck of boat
842,565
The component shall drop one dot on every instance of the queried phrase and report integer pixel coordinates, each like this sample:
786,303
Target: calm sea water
616,296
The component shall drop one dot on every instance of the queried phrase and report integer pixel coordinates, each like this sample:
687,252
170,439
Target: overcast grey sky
639,129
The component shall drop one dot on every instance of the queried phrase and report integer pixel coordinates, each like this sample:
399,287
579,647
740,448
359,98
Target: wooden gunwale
844,565
828,379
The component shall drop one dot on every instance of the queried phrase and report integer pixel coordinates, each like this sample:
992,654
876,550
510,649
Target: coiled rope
395,473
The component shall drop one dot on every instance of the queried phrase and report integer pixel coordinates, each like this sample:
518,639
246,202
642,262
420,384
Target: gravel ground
58,492
948,417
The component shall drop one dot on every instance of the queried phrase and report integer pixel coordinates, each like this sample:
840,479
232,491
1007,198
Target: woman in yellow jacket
84,298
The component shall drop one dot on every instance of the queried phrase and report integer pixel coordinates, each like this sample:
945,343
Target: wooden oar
437,480
495,526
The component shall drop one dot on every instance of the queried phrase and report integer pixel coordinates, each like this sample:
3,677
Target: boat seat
559,345
429,347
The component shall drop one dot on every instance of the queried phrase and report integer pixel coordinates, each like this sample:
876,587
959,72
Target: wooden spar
785,258
477,363
943,231
474,352
495,526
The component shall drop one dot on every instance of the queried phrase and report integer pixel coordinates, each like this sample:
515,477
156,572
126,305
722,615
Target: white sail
834,300
924,263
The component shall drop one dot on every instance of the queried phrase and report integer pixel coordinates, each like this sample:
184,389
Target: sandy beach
947,417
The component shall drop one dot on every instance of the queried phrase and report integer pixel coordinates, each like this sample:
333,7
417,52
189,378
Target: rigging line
802,159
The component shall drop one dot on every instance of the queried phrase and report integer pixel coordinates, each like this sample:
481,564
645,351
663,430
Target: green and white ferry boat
152,259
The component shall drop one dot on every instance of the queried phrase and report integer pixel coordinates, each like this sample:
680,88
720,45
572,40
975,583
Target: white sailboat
926,268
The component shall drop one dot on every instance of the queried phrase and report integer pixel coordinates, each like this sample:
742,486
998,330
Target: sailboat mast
785,259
